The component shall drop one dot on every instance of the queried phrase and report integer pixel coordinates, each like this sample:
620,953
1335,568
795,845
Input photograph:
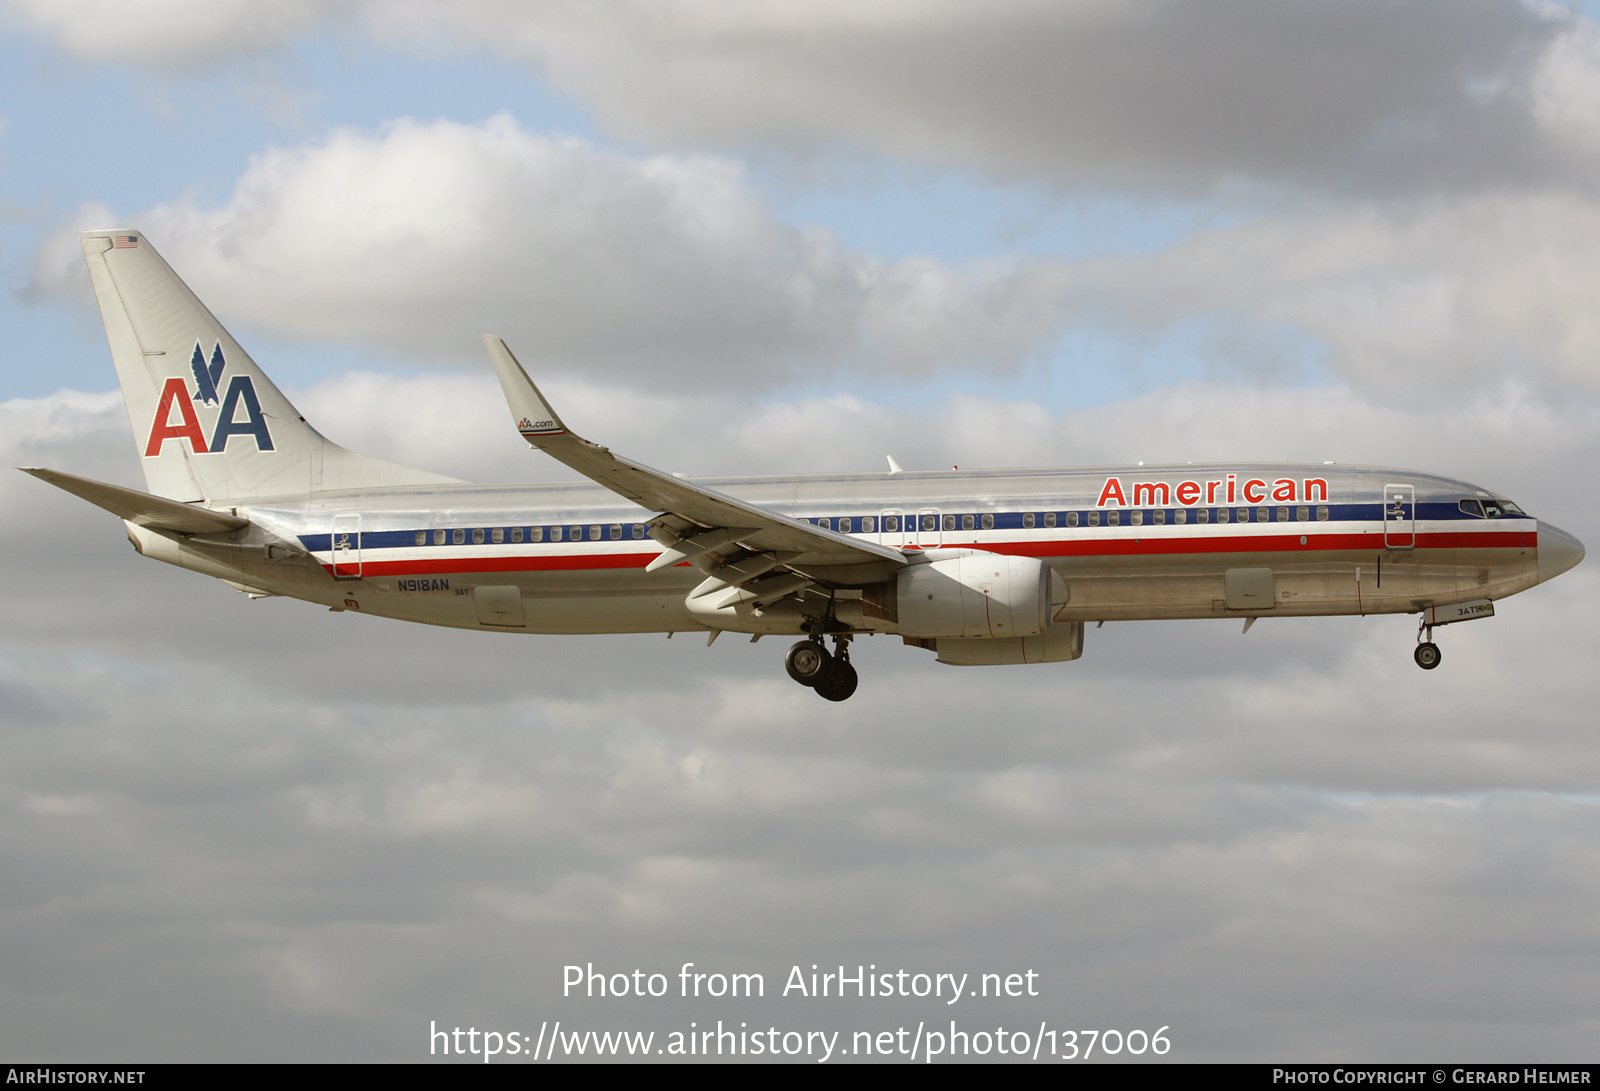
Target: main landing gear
1427,654
832,676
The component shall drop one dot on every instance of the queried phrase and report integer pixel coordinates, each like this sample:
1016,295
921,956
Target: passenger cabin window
516,534
1049,518
638,530
1094,518
422,537
438,537
988,522
1113,518
1283,515
929,523
555,534
1180,516
1322,513
1261,515
1137,518
1203,515
1027,521
968,522
891,522
536,534
1222,515
1302,514
477,536
594,532
497,535
457,537
949,522
844,525
867,523
1161,518
616,531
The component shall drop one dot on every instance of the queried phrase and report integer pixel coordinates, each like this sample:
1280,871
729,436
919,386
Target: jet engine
974,594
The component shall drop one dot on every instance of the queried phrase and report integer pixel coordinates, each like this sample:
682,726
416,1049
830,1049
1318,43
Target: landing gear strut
832,676
1427,654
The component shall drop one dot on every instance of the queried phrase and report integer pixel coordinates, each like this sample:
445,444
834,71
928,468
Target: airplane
987,567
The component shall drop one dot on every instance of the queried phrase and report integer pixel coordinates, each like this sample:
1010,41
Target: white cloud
670,270
1433,300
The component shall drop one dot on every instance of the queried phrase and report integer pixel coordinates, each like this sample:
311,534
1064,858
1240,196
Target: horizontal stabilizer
140,508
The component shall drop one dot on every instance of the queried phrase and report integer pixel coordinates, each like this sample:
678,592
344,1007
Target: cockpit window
1490,509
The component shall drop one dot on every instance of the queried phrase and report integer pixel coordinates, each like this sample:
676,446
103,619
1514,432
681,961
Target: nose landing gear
1427,654
832,676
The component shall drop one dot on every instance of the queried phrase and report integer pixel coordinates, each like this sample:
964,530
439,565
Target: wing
700,520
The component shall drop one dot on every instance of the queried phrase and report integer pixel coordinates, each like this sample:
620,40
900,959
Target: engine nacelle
974,594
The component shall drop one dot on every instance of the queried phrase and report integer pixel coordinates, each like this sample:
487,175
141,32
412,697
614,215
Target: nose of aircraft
1558,551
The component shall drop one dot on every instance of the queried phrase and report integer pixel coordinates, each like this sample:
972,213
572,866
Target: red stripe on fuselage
1088,547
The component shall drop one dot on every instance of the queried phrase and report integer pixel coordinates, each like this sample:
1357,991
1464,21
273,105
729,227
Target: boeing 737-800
987,567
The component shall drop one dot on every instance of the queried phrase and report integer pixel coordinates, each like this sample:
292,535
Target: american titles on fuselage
1255,490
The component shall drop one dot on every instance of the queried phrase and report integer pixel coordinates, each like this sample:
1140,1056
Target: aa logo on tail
240,395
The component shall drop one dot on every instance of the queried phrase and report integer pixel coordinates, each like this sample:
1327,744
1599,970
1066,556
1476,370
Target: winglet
533,415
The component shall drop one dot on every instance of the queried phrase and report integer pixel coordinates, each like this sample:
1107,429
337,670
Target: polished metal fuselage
1123,543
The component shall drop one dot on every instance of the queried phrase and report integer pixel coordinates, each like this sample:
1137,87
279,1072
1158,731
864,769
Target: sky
777,238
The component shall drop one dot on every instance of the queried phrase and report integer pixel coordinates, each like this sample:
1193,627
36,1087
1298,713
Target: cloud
329,830
1435,299
1356,97
672,272
1364,97
668,270
173,35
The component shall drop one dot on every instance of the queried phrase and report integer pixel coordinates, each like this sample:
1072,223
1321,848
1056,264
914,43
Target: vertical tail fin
209,424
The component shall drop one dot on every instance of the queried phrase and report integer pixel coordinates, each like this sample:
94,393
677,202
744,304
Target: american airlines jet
981,568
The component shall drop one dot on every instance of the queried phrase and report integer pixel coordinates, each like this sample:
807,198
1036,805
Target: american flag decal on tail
124,242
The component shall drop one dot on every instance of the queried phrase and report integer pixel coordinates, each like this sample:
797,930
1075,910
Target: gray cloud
242,830
1365,97
171,35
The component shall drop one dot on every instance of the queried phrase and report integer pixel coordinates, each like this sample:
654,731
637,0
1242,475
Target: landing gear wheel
1427,655
807,662
838,682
